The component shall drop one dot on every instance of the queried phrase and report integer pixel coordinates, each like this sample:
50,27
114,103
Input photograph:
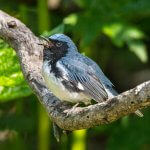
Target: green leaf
121,34
138,47
115,32
71,19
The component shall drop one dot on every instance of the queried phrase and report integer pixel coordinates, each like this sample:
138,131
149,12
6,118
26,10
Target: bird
73,77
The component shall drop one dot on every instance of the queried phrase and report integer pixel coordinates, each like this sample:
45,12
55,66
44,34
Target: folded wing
83,78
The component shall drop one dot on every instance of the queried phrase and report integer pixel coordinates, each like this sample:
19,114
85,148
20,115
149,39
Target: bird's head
58,45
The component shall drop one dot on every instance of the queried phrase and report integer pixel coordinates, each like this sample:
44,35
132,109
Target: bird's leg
72,109
74,106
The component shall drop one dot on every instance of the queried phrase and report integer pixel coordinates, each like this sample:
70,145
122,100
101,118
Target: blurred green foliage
12,83
116,34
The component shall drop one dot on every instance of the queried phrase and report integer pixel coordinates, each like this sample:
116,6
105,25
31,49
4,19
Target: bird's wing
82,78
109,87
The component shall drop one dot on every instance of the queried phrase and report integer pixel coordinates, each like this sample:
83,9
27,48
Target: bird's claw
71,110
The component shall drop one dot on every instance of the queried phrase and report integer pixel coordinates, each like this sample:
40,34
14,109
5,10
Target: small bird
72,77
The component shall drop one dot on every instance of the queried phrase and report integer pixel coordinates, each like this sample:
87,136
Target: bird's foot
71,110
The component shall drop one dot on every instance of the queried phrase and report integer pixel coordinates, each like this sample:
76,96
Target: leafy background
116,34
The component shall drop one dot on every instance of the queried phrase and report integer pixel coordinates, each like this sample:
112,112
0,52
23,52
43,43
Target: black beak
44,38
48,42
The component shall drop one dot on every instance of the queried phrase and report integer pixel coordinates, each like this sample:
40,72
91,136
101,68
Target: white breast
57,88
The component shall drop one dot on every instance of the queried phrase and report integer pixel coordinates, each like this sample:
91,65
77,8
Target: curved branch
29,52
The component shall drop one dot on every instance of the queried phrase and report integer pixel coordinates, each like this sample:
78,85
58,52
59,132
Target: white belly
59,90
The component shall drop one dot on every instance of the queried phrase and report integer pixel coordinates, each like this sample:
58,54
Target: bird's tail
138,113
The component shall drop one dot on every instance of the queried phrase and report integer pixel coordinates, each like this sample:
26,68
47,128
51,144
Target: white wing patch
80,86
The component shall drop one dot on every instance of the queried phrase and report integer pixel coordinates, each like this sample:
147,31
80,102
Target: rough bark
26,45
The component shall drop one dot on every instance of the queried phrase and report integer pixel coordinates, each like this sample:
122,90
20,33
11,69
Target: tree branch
29,52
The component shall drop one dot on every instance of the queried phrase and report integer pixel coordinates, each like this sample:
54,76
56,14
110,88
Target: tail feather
138,113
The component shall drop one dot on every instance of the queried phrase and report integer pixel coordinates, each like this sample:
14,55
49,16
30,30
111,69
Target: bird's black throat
53,54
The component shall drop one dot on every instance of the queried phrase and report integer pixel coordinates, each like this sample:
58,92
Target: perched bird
72,77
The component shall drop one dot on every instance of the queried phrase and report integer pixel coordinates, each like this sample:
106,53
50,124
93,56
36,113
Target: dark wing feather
78,72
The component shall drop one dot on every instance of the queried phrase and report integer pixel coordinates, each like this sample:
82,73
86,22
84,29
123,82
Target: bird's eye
58,44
